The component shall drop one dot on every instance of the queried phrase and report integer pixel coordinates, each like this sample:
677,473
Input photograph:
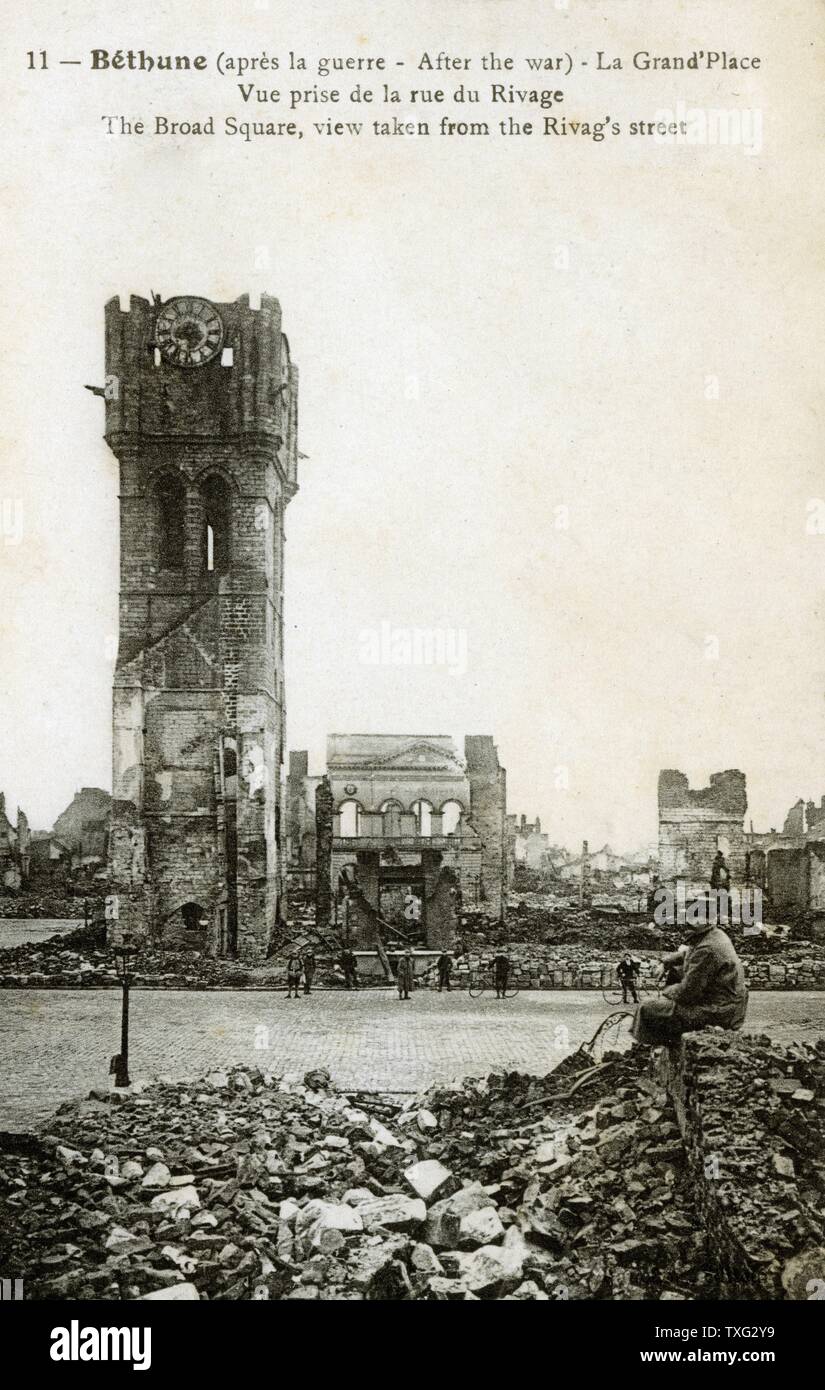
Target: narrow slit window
217,533
170,500
228,357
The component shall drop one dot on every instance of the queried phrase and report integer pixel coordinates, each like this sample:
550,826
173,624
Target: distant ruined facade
201,413
15,849
695,824
789,864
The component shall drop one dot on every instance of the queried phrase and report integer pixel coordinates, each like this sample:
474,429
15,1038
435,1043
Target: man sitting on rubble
711,991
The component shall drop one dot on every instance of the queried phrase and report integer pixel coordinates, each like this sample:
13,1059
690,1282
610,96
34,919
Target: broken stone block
429,1179
395,1212
335,1141
319,1216
616,1142
530,1290
783,1166
481,1227
494,1269
382,1135
442,1288
180,1293
70,1157
119,1239
250,1167
157,1176
176,1201
372,1267
356,1195
425,1261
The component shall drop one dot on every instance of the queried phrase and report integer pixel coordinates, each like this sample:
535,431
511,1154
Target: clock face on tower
188,331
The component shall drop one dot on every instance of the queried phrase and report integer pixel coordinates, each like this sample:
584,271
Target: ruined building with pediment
420,831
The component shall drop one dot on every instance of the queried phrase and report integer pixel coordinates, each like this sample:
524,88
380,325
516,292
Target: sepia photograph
412,548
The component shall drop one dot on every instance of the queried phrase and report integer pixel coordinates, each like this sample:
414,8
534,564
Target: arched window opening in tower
217,524
170,501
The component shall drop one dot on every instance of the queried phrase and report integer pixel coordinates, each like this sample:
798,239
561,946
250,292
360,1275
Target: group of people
300,968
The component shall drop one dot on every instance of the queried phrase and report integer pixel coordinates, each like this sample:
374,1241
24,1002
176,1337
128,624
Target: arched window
217,508
422,810
350,813
170,504
451,812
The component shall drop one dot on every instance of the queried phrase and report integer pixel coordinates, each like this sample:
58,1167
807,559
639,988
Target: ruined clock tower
201,412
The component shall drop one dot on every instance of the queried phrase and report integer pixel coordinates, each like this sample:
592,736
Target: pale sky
459,386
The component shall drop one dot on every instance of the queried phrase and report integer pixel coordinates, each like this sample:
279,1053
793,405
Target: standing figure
308,962
501,972
349,966
719,875
293,975
404,975
628,973
445,970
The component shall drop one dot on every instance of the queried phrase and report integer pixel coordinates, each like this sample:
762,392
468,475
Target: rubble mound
243,1185
82,958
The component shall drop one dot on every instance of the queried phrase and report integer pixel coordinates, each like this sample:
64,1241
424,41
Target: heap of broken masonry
578,1185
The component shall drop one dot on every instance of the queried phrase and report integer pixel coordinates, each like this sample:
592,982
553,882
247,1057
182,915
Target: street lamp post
125,954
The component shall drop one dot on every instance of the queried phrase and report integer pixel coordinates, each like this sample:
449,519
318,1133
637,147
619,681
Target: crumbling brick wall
751,1115
488,816
787,879
693,824
323,854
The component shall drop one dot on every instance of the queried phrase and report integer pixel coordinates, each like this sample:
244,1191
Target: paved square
56,1044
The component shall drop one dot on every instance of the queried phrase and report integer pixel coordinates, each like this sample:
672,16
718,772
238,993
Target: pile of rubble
242,1185
81,959
532,919
47,906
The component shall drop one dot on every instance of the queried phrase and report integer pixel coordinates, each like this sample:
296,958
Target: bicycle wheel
612,995
478,984
511,987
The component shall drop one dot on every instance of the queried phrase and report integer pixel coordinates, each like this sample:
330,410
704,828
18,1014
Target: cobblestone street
56,1044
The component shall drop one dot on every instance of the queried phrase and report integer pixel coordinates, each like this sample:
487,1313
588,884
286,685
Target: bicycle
482,980
613,994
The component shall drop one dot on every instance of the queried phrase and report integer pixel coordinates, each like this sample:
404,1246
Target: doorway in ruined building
401,900
187,928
